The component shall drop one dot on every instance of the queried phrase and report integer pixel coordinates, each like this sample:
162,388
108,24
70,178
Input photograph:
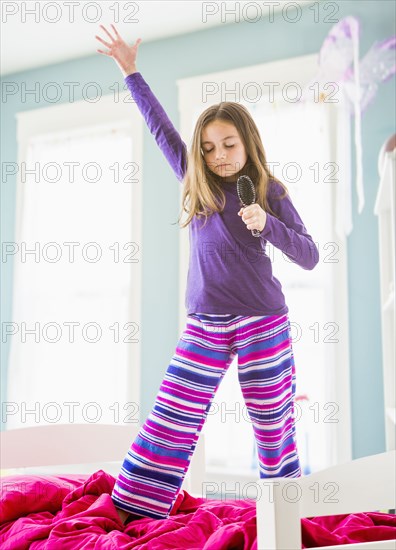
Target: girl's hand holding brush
253,216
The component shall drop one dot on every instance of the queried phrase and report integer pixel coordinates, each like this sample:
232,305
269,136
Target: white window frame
301,70
71,117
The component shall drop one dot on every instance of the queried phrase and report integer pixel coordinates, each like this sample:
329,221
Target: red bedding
76,511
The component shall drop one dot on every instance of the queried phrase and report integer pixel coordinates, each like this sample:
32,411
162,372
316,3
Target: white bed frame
80,449
363,485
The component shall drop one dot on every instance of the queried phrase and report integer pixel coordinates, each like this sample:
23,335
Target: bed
56,483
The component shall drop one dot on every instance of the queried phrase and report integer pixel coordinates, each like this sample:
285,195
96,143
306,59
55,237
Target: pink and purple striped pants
158,459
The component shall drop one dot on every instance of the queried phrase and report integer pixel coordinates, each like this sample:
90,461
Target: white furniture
80,449
362,485
385,210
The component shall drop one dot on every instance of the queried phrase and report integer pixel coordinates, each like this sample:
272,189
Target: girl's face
223,150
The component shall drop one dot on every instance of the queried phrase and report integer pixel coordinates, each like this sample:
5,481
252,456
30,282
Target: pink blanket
76,511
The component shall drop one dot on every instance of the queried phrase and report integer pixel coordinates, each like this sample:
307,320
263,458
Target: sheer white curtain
70,312
299,140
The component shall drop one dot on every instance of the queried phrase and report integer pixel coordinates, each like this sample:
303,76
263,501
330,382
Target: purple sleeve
288,233
165,134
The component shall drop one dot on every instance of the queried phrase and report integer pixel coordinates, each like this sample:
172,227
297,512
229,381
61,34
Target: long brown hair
202,190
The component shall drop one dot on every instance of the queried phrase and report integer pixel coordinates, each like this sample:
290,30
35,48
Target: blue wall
162,62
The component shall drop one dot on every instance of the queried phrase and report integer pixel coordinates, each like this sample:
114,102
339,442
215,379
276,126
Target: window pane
75,295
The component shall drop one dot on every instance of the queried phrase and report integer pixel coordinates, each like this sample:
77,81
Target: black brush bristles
246,191
247,195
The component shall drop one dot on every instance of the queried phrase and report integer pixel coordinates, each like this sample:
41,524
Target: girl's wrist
129,70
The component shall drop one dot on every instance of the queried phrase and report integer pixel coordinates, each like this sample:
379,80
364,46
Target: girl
235,306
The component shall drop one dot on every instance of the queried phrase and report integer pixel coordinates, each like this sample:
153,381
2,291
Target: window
75,353
300,145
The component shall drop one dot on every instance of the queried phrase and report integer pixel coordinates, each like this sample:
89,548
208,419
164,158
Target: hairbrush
247,195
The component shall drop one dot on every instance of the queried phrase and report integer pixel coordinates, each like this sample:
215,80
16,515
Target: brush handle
246,190
254,232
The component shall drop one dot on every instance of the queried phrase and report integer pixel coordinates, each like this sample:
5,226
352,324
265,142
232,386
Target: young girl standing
235,306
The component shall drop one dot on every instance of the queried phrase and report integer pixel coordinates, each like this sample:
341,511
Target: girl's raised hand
124,55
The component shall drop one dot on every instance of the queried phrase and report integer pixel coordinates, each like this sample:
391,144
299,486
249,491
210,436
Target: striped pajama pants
158,459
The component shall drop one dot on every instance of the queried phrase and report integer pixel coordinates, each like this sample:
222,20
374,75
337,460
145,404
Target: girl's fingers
106,53
103,42
107,32
115,31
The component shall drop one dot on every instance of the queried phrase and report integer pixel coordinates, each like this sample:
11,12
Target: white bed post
278,502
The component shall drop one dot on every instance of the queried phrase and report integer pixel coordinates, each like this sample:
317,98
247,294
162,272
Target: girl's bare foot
123,514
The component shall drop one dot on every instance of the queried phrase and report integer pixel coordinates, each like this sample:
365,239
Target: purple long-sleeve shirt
229,271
